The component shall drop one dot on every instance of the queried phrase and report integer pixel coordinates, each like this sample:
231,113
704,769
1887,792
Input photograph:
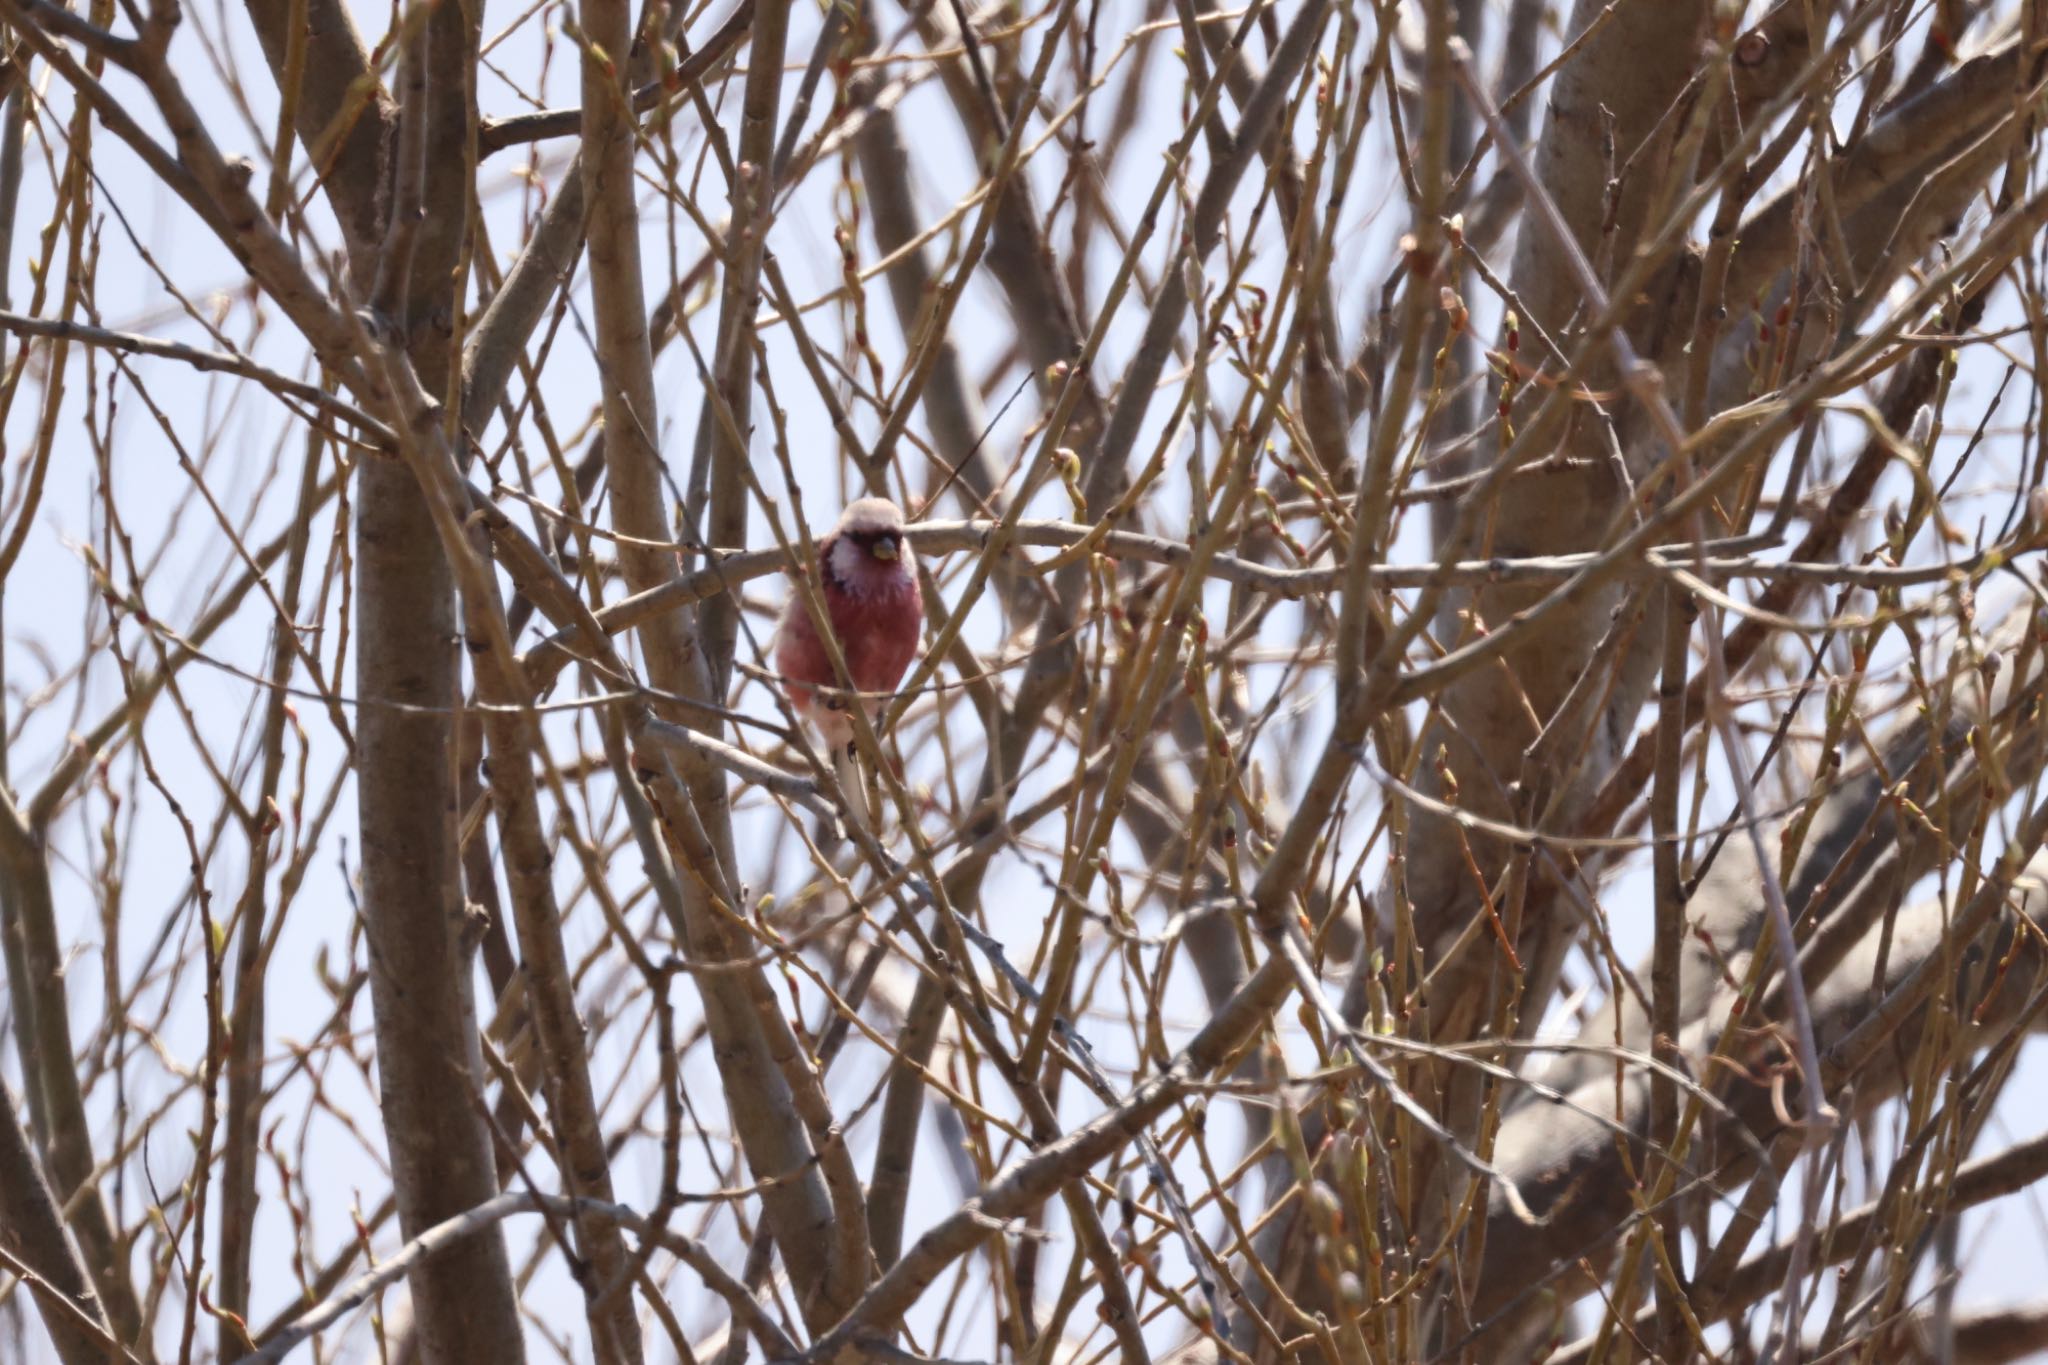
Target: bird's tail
853,782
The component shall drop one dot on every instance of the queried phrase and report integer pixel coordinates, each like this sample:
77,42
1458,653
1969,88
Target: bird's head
868,550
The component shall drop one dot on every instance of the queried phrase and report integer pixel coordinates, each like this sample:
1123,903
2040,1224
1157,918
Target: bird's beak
885,549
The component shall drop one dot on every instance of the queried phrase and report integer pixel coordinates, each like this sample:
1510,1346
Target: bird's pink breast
878,628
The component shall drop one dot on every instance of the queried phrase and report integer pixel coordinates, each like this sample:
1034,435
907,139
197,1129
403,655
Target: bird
867,578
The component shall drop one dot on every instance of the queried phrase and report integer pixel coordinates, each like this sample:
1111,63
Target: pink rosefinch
867,576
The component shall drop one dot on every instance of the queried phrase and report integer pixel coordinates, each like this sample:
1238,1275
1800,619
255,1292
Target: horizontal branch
489,1214
496,134
676,739
53,329
728,570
